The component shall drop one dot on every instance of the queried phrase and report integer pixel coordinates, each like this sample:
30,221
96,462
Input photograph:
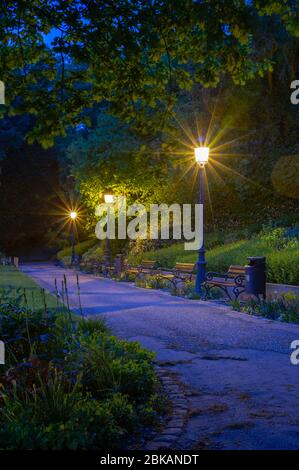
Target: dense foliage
68,384
282,264
80,249
58,58
129,86
285,308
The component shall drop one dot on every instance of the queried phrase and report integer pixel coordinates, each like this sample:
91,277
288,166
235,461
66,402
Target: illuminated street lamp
73,216
202,155
201,158
109,200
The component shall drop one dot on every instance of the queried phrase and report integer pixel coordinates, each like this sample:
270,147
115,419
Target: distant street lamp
201,158
73,216
109,200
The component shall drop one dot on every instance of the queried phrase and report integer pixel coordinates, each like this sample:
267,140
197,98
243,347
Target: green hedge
80,248
283,265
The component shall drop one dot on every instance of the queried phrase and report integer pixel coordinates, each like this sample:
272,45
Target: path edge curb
174,426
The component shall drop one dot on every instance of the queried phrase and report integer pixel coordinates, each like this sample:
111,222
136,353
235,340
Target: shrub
90,326
80,248
140,246
140,281
95,253
163,284
24,330
279,237
66,261
109,365
127,277
215,293
54,417
283,266
185,289
153,282
235,305
285,308
274,237
82,389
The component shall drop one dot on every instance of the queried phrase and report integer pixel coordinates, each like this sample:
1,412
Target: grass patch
282,265
14,283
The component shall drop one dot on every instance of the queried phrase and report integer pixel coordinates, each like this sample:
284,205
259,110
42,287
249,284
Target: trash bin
255,276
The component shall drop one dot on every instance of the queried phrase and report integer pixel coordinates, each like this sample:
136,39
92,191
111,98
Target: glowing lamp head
202,155
109,198
73,215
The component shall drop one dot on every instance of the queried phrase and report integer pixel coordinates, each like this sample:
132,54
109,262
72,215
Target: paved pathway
242,390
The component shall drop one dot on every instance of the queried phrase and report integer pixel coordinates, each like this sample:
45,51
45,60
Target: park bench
233,280
97,268
86,266
181,272
145,267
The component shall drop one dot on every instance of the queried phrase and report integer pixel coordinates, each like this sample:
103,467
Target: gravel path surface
242,389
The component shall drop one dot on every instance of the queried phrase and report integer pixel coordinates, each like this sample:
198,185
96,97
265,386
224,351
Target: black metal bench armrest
239,280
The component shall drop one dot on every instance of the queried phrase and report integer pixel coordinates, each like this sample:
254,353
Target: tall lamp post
109,200
202,158
73,216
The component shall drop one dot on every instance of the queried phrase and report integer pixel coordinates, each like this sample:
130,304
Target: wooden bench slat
148,264
236,269
145,267
181,272
188,267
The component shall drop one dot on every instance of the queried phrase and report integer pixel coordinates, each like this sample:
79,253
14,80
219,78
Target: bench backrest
236,270
184,267
148,264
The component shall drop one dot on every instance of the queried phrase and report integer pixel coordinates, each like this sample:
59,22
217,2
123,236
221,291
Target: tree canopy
60,57
121,89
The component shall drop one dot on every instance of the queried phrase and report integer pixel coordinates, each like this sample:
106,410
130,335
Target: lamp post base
200,272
